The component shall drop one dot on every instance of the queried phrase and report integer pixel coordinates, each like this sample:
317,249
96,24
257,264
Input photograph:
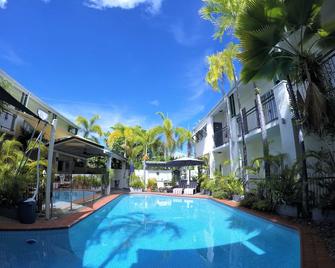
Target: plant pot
238,197
319,215
287,210
27,212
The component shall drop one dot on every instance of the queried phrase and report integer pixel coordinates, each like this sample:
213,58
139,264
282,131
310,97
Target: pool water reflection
158,231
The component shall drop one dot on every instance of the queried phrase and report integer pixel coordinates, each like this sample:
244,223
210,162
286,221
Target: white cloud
110,114
3,4
153,6
154,103
182,36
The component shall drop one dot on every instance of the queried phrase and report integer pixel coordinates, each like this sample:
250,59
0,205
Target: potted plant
152,185
136,184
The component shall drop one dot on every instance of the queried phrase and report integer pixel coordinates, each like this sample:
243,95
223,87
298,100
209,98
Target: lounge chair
178,190
191,189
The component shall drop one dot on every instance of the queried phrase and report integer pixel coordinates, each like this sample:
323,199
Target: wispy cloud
154,103
9,54
110,114
3,4
152,6
182,36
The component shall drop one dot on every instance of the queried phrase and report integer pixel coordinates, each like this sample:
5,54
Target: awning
156,164
185,162
79,147
8,98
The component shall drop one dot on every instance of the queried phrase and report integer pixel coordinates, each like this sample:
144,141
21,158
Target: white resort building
218,135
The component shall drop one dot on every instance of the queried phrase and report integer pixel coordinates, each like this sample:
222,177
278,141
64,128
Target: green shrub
136,182
263,205
249,200
227,186
152,184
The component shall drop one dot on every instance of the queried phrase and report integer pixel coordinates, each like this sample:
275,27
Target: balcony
221,136
7,121
251,119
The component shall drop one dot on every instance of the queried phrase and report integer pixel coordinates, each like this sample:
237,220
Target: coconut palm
89,128
147,139
168,135
183,136
223,14
222,64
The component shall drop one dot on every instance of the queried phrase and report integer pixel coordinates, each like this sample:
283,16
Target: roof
38,100
8,98
83,148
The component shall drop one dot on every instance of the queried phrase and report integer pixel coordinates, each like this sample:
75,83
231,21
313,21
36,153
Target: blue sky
122,59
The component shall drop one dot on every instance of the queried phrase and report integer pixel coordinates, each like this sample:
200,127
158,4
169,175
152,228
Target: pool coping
312,249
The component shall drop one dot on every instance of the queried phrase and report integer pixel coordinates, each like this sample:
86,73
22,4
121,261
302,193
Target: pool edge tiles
60,223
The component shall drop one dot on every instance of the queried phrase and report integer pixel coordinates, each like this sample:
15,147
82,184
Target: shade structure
185,162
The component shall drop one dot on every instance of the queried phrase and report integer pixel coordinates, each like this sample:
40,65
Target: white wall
159,175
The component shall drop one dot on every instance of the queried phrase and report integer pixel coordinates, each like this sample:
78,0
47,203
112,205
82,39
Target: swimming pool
65,195
157,231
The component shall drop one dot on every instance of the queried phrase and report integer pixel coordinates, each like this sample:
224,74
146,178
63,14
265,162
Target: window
201,134
24,98
232,105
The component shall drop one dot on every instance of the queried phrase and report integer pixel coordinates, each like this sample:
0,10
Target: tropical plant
167,130
89,128
220,64
223,14
147,139
185,136
136,182
226,186
286,37
15,177
152,184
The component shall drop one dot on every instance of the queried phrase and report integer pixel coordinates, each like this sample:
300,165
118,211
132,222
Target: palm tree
285,38
220,64
185,136
168,132
223,14
89,128
147,139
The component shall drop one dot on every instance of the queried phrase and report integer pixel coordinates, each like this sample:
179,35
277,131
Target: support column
284,113
49,169
123,182
108,174
210,145
233,140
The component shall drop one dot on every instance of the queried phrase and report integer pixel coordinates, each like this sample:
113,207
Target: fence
319,189
221,136
71,192
250,117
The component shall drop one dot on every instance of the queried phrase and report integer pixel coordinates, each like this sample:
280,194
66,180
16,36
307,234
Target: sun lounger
189,191
178,190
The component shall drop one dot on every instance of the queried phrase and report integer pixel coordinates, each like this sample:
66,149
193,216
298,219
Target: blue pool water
157,231
65,195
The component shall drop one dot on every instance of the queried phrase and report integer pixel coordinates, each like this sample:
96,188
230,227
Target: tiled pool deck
313,251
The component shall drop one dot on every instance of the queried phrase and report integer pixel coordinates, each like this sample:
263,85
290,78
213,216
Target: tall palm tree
223,14
89,128
183,136
282,37
167,131
222,64
147,139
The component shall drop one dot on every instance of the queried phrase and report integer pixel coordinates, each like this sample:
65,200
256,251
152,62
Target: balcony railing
251,118
7,121
221,136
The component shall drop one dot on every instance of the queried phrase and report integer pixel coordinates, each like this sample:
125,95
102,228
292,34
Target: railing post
245,120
